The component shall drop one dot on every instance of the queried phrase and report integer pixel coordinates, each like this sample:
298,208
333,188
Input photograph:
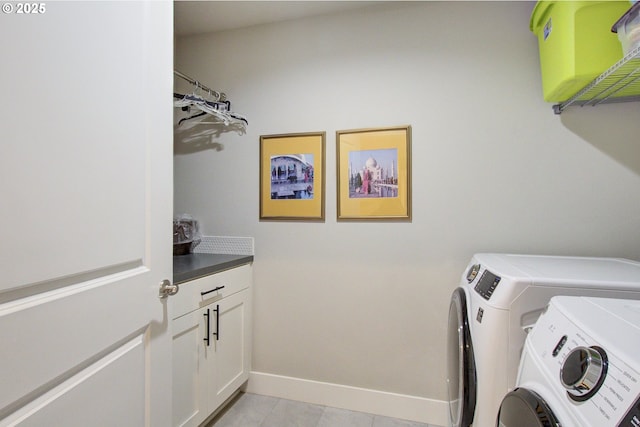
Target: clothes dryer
579,368
500,297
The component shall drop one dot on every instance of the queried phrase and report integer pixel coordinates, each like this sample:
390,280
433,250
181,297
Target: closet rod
220,96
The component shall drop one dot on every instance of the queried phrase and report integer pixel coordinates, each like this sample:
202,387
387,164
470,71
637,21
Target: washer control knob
473,272
583,372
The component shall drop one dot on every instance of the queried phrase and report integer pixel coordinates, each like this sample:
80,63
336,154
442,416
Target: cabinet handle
217,332
212,290
206,336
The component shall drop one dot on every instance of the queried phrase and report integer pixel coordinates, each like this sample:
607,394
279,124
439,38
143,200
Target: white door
85,213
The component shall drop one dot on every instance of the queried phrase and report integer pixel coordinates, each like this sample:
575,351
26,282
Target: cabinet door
189,370
232,347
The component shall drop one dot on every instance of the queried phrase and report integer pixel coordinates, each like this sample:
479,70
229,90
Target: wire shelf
620,83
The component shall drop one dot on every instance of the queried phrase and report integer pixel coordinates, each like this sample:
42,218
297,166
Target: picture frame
374,174
292,176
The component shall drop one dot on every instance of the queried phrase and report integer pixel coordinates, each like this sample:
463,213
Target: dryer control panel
487,284
592,373
632,419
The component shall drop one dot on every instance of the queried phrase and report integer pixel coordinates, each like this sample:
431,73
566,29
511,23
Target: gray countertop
192,266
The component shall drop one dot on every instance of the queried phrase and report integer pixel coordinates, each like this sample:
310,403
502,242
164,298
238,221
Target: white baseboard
394,405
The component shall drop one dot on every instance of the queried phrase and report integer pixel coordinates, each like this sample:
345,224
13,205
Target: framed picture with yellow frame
374,174
292,176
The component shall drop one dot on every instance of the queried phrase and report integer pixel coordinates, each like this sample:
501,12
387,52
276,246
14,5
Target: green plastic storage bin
575,42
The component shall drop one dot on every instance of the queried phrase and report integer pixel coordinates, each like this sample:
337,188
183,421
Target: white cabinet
189,392
211,343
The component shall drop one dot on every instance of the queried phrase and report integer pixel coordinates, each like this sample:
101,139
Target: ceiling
197,17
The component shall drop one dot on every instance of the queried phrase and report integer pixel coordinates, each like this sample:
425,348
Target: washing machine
580,367
500,297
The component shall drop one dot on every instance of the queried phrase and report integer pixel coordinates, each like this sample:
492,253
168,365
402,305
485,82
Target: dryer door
461,375
524,408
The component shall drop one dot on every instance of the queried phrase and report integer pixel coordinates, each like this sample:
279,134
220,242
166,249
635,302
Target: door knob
167,289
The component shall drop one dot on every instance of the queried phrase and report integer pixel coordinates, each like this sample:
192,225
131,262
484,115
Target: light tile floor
253,410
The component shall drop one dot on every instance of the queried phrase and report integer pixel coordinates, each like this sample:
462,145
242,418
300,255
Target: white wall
365,304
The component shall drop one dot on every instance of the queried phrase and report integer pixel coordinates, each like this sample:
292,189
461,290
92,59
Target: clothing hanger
181,100
192,117
221,110
218,109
